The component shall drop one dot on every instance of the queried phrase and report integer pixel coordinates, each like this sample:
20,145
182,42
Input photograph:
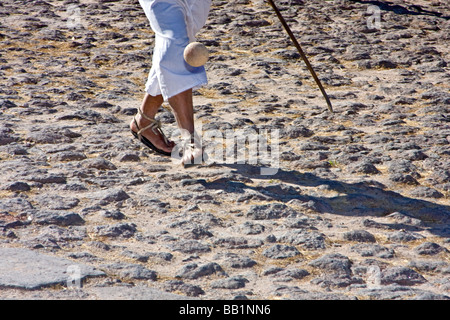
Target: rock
138,292
124,230
426,192
431,296
279,251
41,270
270,211
109,196
56,217
51,136
370,250
235,261
198,232
10,221
373,224
56,202
430,266
185,288
130,271
99,245
249,228
17,186
194,271
403,178
236,282
402,276
359,236
404,236
190,246
113,214
66,103
403,166
16,205
135,256
363,167
99,163
102,105
7,136
61,234
336,280
238,243
69,156
42,176
429,248
333,262
297,131
6,104
128,157
312,240
286,275
405,219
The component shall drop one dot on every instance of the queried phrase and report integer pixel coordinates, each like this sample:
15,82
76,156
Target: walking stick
302,54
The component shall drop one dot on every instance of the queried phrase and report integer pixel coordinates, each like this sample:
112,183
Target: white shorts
175,23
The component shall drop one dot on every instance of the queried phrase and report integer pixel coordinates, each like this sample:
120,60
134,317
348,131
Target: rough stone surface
354,206
27,269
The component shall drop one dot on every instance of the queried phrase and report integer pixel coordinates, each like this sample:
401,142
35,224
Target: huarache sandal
192,156
193,153
156,128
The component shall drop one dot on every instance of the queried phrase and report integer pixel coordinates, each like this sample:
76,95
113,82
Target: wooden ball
196,54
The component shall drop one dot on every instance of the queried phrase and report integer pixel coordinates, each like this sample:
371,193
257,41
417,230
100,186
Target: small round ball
196,54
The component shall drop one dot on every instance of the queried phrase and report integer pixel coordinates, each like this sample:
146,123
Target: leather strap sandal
155,125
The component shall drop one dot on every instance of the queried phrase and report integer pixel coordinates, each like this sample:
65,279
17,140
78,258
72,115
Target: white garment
175,23
196,14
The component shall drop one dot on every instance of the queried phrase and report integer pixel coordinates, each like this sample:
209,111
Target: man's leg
183,109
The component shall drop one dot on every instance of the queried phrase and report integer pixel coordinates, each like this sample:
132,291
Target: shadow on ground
354,199
398,9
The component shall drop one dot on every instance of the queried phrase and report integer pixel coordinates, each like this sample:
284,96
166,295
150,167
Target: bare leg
149,107
183,110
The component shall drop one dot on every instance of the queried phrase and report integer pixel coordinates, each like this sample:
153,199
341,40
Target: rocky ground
358,209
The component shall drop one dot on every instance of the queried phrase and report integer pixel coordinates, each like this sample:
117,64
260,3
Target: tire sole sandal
156,128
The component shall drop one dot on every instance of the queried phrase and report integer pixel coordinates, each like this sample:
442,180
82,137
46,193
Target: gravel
356,206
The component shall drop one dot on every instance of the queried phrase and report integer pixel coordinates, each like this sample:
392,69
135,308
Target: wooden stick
302,54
